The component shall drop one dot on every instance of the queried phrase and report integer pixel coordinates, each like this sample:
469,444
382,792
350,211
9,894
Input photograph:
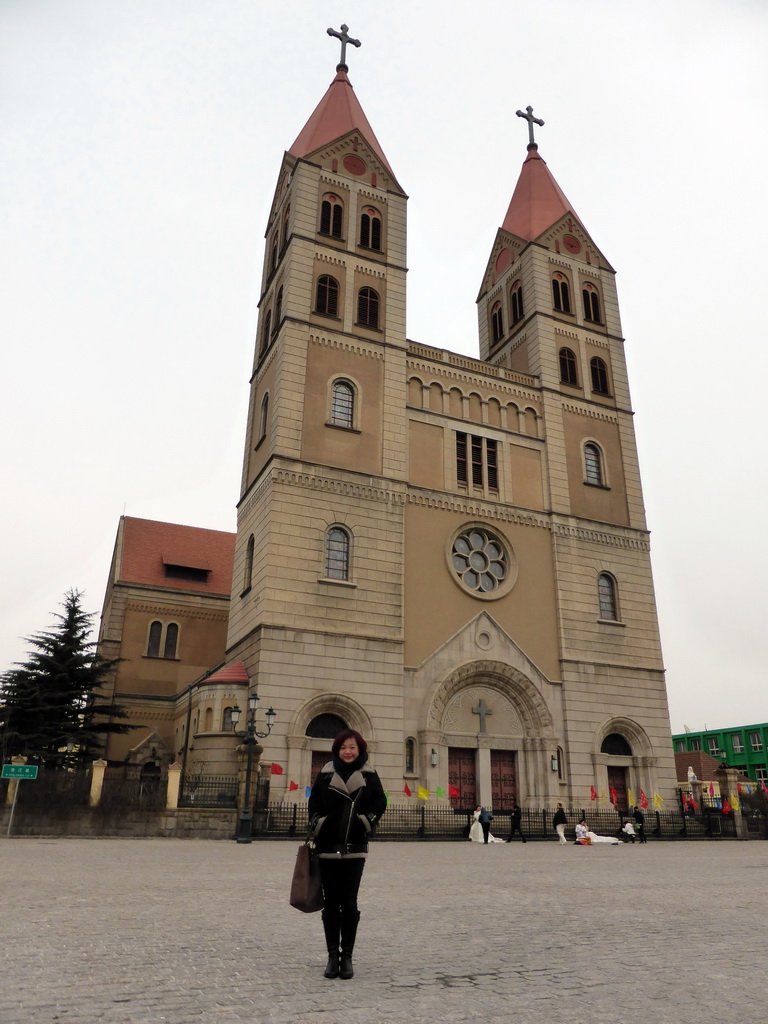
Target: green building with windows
743,747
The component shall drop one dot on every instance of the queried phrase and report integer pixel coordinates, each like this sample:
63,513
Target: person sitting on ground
583,832
628,830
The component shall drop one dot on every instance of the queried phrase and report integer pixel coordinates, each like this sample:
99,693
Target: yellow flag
734,802
630,798
421,793
657,801
602,795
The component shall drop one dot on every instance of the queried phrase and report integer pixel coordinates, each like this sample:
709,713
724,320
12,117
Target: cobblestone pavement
200,932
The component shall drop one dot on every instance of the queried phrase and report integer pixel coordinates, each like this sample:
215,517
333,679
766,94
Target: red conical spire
537,202
337,113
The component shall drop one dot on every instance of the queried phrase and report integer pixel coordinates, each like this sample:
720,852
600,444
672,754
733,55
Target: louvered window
327,300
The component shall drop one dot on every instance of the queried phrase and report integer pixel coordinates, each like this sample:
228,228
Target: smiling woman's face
349,751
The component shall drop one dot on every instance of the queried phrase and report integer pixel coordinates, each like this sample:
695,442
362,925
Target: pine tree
53,698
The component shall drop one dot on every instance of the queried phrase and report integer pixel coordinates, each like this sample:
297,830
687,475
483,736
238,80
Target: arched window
278,308
616,744
568,371
599,372
226,721
327,296
325,727
607,597
265,337
153,644
410,756
591,302
248,575
331,214
497,322
273,254
343,404
593,464
171,640
286,218
208,721
516,302
264,417
561,295
370,229
368,308
337,554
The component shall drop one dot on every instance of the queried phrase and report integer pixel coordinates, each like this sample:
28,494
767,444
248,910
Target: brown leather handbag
306,890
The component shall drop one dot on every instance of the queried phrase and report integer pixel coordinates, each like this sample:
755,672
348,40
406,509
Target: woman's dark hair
348,734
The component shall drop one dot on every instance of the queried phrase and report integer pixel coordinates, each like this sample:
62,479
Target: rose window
479,560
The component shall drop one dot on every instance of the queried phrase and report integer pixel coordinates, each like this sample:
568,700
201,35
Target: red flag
738,787
726,806
685,801
275,769
406,790
711,789
592,793
763,786
693,803
643,800
614,795
453,792
292,786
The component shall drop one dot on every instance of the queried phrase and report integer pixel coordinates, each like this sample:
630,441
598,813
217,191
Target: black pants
516,828
341,883
486,827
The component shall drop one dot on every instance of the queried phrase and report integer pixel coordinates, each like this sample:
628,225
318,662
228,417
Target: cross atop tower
345,38
531,122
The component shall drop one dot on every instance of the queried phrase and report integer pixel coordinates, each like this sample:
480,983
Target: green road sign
19,771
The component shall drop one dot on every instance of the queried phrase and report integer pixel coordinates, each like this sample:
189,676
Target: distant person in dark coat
559,820
485,822
516,823
639,824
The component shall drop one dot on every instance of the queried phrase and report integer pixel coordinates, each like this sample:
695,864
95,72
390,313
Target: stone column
174,785
97,782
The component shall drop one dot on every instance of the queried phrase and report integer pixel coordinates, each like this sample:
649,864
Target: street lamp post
250,737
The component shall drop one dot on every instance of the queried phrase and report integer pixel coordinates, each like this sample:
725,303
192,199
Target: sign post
17,772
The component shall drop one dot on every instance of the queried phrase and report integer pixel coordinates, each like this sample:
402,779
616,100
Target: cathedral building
447,554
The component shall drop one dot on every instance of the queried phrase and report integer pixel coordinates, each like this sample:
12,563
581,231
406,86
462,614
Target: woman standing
346,801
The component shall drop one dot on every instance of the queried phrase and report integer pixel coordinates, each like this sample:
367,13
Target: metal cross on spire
345,38
531,122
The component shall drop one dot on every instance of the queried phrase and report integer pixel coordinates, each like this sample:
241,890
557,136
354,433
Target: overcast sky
141,141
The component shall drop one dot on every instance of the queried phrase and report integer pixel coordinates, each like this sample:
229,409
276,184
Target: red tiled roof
704,766
148,546
337,113
537,202
234,673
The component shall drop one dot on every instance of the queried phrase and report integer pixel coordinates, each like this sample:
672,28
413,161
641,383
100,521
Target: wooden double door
462,775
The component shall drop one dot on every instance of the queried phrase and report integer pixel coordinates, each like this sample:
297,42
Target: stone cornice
373,196
635,540
477,509
338,183
592,413
323,257
359,348
449,372
348,488
178,611
371,271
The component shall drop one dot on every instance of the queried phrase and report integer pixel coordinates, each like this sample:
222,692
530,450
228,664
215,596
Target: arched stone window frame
327,296
368,308
331,215
516,301
561,293
598,369
569,367
590,299
163,640
371,229
608,597
248,573
497,322
343,409
337,554
593,464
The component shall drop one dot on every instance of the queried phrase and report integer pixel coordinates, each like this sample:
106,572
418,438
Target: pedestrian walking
346,802
639,817
516,823
560,820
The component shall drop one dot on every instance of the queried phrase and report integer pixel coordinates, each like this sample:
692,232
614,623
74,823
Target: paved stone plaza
200,932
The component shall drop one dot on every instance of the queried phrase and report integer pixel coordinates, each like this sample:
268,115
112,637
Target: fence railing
55,789
208,791
126,789
403,822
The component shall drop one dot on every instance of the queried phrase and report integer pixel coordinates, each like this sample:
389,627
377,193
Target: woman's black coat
342,814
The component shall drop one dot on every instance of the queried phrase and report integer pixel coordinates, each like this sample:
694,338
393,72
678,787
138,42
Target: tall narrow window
568,371
599,372
368,308
171,640
461,458
477,457
278,309
248,575
593,464
331,214
516,302
226,720
286,218
497,322
273,256
491,464
370,229
327,296
561,295
264,417
591,303
265,337
153,644
410,756
337,554
607,598
477,461
343,404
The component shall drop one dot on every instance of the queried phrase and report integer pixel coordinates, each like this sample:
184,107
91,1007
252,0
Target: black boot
349,923
331,929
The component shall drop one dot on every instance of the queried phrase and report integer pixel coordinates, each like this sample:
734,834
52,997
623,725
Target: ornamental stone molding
591,413
357,348
331,704
633,733
178,611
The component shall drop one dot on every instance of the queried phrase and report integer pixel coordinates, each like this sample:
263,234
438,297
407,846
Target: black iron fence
52,788
125,788
208,791
404,822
